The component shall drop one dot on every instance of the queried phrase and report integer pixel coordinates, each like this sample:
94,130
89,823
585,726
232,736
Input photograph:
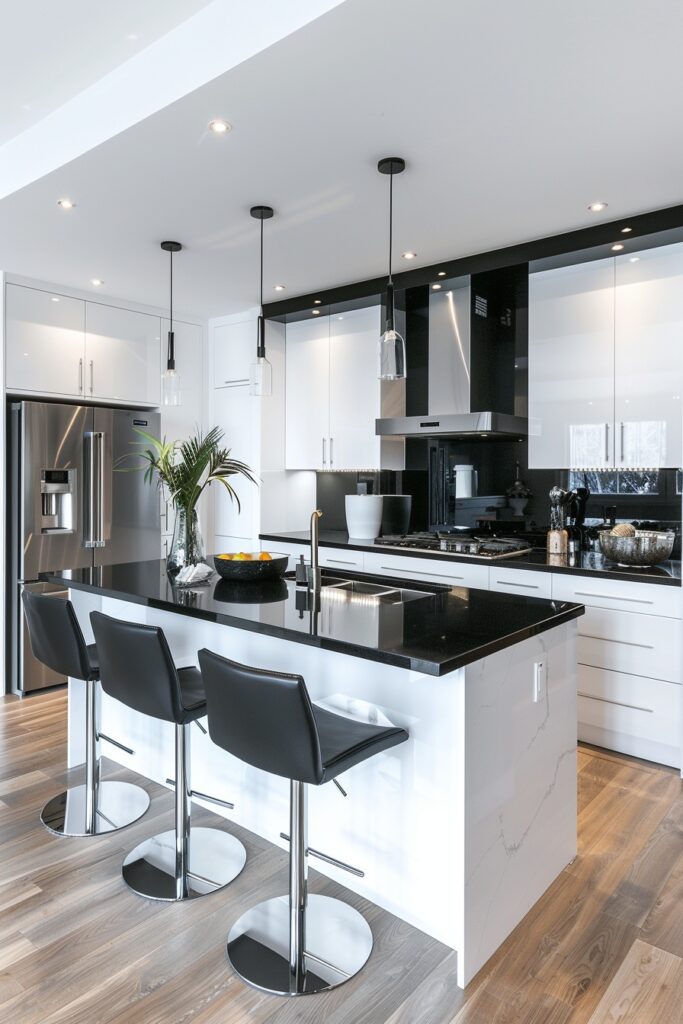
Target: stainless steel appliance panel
130,507
50,437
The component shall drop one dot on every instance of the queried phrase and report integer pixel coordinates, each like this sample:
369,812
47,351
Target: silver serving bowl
648,547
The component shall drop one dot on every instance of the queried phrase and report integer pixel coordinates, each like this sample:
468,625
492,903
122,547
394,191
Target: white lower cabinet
520,581
629,665
428,570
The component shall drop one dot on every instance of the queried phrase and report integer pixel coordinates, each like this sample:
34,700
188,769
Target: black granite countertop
589,564
437,631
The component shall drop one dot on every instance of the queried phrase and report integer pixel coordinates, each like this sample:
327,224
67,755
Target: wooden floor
604,945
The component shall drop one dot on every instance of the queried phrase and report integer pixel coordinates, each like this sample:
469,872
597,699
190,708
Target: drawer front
339,558
429,570
520,581
642,645
632,705
621,595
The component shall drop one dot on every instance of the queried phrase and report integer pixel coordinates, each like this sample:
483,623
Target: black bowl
253,569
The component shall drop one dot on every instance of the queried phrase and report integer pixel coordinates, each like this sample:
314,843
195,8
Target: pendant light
392,347
261,372
170,380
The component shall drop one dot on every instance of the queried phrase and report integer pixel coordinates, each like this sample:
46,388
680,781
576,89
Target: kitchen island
458,831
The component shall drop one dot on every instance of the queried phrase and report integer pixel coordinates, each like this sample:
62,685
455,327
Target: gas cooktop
470,545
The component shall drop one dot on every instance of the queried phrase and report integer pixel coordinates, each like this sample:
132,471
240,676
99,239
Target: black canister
396,513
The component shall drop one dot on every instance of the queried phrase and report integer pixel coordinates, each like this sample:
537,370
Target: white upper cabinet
333,395
45,342
59,345
123,355
571,366
649,357
236,411
234,350
355,393
606,363
307,394
179,422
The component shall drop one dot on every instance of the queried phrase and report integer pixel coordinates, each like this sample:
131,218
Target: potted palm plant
184,469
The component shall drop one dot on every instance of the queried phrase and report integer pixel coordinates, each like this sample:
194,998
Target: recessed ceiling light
96,281
66,204
316,302
279,287
55,298
442,273
340,318
617,247
219,127
408,255
634,259
436,287
626,231
315,312
597,207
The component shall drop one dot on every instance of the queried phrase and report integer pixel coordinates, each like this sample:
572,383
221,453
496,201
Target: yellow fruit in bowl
241,557
226,557
265,556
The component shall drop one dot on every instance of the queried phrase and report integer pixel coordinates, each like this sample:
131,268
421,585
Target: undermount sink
375,592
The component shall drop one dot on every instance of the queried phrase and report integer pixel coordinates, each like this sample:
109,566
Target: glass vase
187,547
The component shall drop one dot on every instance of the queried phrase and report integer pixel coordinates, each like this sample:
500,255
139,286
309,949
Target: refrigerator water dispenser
57,500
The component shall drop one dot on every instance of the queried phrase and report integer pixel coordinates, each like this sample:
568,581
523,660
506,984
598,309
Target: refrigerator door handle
93,471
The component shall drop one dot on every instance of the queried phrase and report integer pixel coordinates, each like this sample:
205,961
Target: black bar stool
294,944
96,807
137,668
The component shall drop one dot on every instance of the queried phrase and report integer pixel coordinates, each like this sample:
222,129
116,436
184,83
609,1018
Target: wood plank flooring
603,946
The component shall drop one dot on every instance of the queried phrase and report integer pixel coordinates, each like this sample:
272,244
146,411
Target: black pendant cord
261,332
390,283
170,365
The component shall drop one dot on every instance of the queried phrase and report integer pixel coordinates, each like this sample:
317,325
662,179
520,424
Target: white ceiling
51,51
512,118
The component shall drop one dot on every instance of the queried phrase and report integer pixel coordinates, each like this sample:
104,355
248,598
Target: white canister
465,482
363,516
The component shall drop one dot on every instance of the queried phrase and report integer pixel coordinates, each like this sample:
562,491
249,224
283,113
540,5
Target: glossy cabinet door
179,422
649,358
122,354
355,395
234,350
571,367
45,342
236,412
307,399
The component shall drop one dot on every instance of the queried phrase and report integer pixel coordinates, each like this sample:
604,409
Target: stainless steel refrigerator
69,508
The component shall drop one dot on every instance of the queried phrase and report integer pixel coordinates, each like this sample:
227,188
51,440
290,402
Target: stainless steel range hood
456,425
449,402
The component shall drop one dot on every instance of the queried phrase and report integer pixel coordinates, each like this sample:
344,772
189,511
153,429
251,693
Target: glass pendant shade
170,388
261,377
392,356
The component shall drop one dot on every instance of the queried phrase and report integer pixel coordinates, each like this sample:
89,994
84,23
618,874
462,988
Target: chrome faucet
314,571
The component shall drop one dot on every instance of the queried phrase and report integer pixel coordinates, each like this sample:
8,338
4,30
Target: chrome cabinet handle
422,575
340,561
324,451
607,443
621,441
617,703
611,597
237,381
80,376
92,377
93,467
610,640
511,583
331,451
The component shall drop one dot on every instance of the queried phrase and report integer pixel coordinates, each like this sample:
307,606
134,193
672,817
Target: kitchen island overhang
461,829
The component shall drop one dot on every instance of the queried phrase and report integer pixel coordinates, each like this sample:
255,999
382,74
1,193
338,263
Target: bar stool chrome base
215,859
337,944
117,804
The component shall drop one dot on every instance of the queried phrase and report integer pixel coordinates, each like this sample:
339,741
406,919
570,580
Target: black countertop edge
558,613
669,574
